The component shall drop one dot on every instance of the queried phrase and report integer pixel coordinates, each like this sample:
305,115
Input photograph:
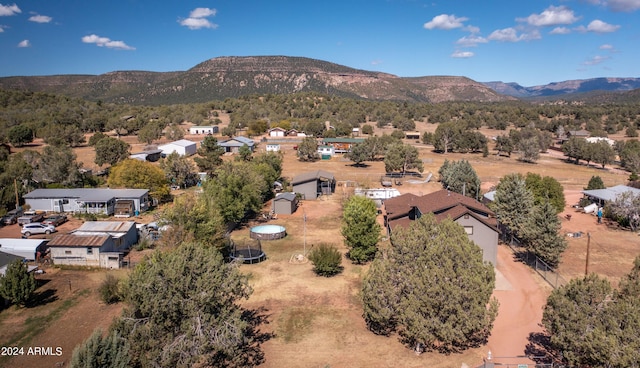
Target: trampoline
247,253
267,232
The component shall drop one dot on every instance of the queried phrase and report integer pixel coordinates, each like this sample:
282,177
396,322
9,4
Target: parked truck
30,216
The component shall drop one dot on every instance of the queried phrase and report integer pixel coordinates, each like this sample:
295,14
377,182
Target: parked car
30,217
55,220
37,228
11,217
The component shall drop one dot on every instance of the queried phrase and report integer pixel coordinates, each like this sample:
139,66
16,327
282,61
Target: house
377,195
412,135
295,133
89,200
124,233
285,203
27,249
341,145
578,133
232,145
313,184
183,147
601,196
355,132
277,132
479,222
85,250
326,152
149,155
273,147
203,129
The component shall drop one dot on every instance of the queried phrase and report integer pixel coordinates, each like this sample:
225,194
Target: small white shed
183,147
272,147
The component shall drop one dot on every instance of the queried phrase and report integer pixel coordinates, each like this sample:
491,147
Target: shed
412,135
285,203
273,147
277,132
183,147
232,145
149,155
203,129
314,183
85,250
29,249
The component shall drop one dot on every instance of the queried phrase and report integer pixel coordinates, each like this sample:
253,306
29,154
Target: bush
110,290
326,260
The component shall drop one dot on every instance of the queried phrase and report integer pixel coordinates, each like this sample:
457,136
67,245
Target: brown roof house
478,220
313,184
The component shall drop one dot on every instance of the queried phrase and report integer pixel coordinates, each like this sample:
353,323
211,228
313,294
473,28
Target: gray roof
106,226
287,196
25,248
87,194
610,194
181,143
312,175
237,142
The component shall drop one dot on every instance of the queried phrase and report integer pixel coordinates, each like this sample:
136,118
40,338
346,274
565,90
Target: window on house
67,252
89,250
468,230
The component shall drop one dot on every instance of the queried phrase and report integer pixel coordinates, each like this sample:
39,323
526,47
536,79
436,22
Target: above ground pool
267,232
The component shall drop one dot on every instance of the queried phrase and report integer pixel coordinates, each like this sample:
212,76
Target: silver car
37,228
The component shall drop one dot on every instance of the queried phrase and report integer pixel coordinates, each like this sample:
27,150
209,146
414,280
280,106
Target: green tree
460,177
308,150
504,144
136,174
445,135
174,132
57,164
111,151
546,189
529,149
432,287
150,132
194,218
326,260
595,183
574,148
110,351
210,153
542,234
402,157
17,285
603,153
513,203
360,229
94,139
626,209
179,170
359,153
20,135
244,153
183,310
367,129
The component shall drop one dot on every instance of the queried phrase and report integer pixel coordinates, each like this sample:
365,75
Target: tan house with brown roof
478,221
85,250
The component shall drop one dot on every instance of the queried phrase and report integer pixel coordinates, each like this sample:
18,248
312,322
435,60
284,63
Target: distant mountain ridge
225,77
566,87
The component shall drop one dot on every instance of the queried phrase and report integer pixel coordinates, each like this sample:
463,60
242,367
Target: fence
548,273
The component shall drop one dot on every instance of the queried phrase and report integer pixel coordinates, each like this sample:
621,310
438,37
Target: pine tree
110,351
460,177
513,203
17,285
360,229
542,234
432,287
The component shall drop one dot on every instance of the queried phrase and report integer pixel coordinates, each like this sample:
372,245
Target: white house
203,129
233,145
183,147
277,132
324,151
273,147
121,202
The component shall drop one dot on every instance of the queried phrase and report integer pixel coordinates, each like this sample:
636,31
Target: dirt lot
317,321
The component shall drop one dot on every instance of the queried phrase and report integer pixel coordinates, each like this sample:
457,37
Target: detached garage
183,147
313,184
285,203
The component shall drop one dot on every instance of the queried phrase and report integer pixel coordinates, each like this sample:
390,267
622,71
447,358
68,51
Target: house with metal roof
183,147
232,145
341,145
124,233
313,184
478,221
601,196
119,202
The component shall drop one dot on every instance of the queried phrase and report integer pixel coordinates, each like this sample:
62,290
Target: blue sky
530,42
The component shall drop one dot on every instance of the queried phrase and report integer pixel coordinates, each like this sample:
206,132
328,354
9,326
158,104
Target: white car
37,228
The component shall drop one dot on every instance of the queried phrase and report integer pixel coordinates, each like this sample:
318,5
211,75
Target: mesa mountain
224,77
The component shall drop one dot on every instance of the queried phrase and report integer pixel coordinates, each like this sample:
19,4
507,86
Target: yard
317,322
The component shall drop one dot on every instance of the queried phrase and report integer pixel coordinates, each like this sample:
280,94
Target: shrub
326,260
110,290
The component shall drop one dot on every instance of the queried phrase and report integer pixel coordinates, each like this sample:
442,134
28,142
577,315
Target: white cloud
599,26
40,18
24,43
624,5
6,10
471,41
445,21
198,19
596,60
462,54
511,35
106,42
376,62
472,29
606,46
552,16
560,30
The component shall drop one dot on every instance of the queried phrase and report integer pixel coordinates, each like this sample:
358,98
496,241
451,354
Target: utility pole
304,226
586,263
15,187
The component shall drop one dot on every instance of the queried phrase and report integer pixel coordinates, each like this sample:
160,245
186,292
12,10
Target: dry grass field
316,321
